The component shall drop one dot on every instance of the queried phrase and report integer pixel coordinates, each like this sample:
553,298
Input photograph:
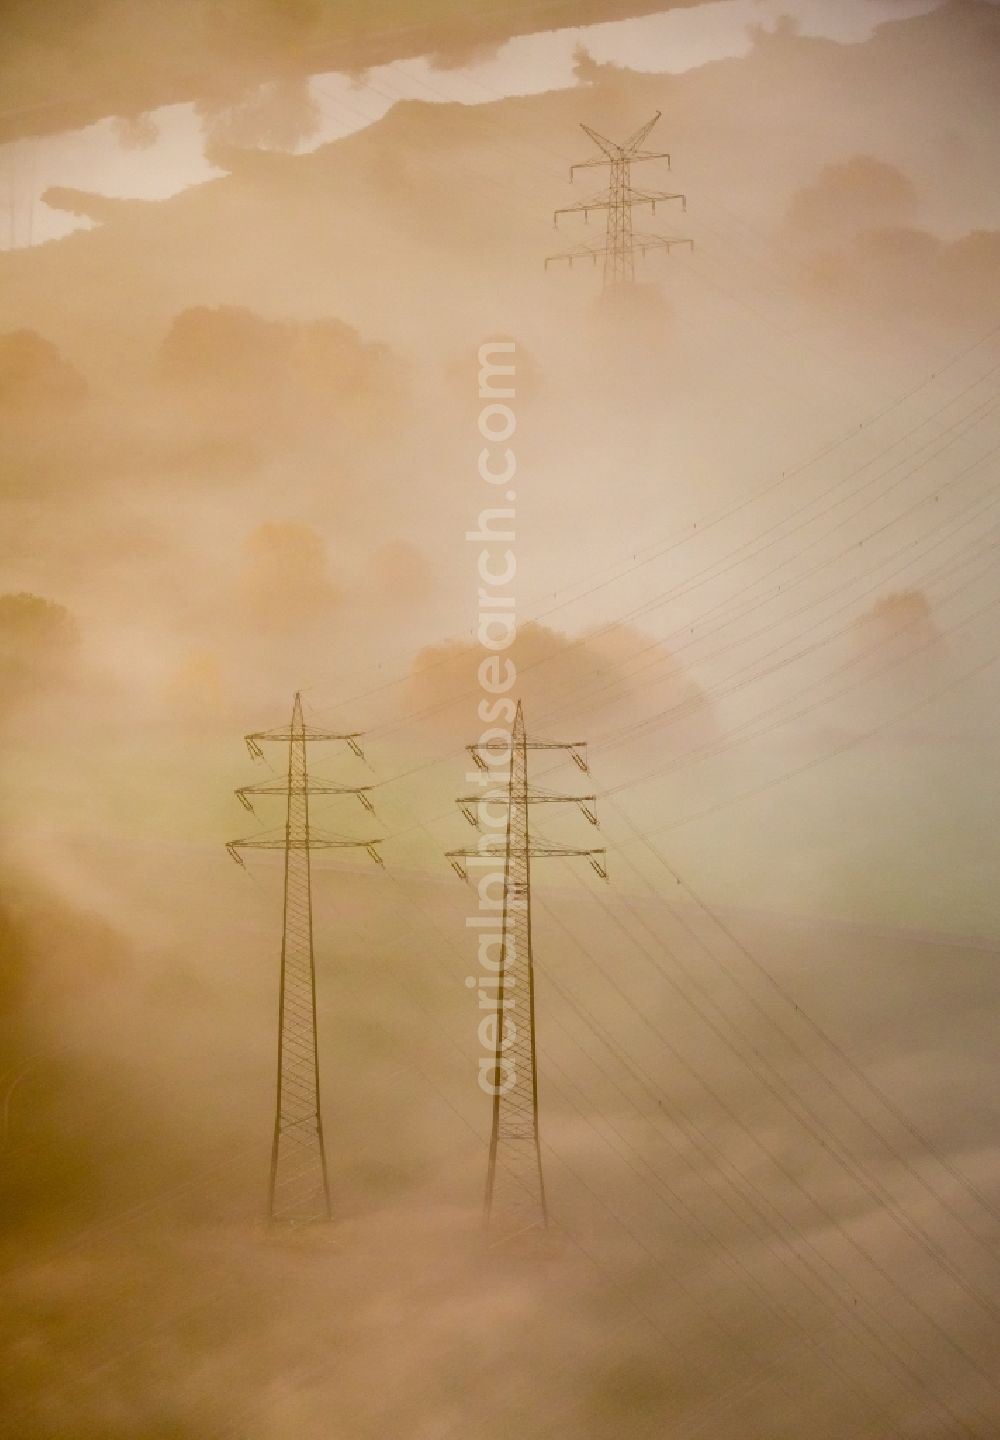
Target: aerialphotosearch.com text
496,629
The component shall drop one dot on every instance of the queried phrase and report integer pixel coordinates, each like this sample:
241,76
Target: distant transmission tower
515,1190
298,1189
620,242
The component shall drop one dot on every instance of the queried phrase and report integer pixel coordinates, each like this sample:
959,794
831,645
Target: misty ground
711,1266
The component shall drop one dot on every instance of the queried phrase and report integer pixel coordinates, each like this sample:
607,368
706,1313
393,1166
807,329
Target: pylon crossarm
556,744
611,150
660,242
322,842
586,165
586,803
577,750
253,740
631,158
280,787
541,850
283,842
491,747
582,252
559,799
457,858
582,207
545,850
535,796
502,746
638,136
255,843
655,197
469,852
307,732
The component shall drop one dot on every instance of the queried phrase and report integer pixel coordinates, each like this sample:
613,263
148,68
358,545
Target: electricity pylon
298,1188
620,242
515,1189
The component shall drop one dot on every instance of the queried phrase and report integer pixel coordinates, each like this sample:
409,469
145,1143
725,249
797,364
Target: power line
579,1179
764,541
782,1223
663,547
818,1031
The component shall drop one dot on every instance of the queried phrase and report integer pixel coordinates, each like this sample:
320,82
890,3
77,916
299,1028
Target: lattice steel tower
621,242
298,1187
515,1189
